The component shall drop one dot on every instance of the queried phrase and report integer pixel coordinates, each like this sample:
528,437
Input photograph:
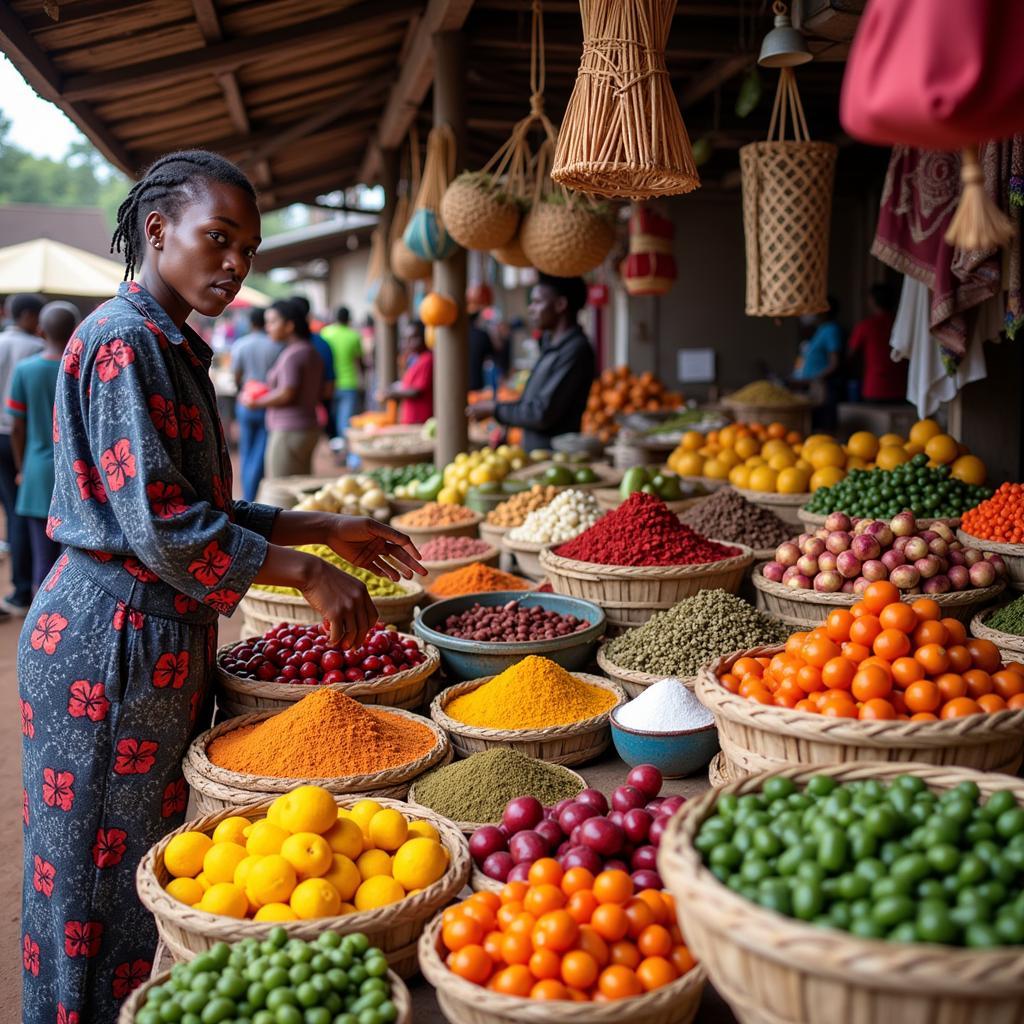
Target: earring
153,242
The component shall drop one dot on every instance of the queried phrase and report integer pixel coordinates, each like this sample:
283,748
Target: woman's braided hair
166,186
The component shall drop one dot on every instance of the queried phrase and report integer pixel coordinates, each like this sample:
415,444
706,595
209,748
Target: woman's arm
272,399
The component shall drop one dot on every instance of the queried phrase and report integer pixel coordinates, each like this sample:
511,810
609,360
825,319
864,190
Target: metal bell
784,46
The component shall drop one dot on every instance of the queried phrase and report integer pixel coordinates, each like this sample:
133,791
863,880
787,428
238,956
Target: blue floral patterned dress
117,650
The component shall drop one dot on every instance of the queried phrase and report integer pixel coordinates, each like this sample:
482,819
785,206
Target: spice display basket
609,499
435,569
759,737
810,608
135,1002
786,506
421,534
462,1002
479,882
813,520
215,788
571,744
773,969
1011,646
634,683
527,556
796,416
393,929
492,534
630,595
471,826
1011,554
405,689
399,506
262,609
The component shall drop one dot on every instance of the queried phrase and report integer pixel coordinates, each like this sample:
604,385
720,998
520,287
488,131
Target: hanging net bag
426,234
404,262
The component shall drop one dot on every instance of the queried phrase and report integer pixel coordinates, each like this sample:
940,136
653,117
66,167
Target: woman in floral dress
116,655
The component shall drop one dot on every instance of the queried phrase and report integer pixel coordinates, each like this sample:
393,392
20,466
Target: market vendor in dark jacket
555,396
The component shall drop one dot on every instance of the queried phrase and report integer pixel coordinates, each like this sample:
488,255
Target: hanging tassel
978,223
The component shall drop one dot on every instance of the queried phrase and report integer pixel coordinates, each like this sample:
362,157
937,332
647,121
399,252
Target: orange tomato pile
567,935
1001,518
883,659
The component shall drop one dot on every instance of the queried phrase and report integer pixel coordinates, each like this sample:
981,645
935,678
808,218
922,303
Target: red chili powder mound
642,531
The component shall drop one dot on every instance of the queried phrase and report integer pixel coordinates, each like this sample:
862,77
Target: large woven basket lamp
623,136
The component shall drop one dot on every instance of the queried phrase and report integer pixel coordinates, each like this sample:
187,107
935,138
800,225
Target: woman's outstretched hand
342,600
374,546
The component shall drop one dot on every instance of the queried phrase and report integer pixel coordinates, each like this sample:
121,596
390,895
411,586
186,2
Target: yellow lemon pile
760,457
471,469
306,859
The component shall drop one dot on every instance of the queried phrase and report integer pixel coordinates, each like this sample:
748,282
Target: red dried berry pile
511,623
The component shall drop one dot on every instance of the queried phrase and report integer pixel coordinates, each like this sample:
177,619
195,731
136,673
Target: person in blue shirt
30,405
819,363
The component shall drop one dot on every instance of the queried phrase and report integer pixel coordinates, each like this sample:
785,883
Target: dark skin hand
199,261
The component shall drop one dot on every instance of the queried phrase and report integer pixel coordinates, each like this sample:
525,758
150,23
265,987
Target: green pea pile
929,492
894,861
333,980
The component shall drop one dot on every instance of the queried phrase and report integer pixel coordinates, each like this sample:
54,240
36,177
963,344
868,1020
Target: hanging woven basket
787,209
426,234
392,299
512,255
478,212
376,266
404,263
623,135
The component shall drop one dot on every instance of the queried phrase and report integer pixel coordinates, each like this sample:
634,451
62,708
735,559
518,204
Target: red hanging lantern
650,267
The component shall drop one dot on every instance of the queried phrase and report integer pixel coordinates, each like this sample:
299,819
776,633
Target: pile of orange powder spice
324,736
475,579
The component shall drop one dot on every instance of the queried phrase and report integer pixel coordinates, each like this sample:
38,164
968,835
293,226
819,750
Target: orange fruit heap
883,660
1001,518
567,935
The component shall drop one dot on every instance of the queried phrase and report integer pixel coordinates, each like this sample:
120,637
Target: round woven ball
511,254
392,299
565,240
407,265
478,217
426,236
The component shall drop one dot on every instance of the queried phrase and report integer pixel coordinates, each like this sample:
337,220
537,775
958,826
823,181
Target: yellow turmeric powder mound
535,693
323,736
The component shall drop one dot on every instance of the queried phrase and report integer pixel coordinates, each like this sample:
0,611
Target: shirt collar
143,301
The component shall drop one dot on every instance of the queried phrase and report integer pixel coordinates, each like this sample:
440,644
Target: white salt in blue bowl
674,754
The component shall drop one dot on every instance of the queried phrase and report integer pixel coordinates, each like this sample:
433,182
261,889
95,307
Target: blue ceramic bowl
674,754
472,659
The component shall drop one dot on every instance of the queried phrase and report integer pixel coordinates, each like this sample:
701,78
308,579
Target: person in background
326,410
347,348
883,379
33,392
481,350
818,366
18,342
296,382
556,393
252,356
416,388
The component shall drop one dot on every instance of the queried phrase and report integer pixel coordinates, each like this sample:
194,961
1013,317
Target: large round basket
462,1002
527,556
796,416
630,595
421,534
571,744
287,491
263,609
399,506
215,788
394,928
759,737
786,506
609,498
236,696
1011,646
773,969
135,1002
634,683
471,826
1011,554
375,453
434,569
813,520
491,533
810,608
533,474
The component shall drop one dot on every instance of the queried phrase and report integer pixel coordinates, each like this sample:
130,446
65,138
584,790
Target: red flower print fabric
73,357
165,500
24,806
27,725
109,848
135,757
118,463
190,422
30,955
58,789
175,798
171,670
129,976
123,614
161,412
47,632
66,1016
82,938
211,566
183,604
135,568
88,700
43,875
223,601
90,485
112,358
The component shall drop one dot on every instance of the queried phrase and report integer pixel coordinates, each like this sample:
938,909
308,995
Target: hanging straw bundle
623,135
376,266
404,262
392,299
426,234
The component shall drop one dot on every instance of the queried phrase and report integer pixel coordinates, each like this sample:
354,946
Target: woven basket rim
971,729
927,962
1008,640
525,546
774,498
198,760
413,590
476,519
790,144
996,547
365,445
594,570
495,527
160,903
554,732
925,522
628,674
797,403
449,564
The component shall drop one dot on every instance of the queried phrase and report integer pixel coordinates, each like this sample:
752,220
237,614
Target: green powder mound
478,788
1009,619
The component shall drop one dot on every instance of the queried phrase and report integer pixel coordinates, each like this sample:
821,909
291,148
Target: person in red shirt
883,379
416,388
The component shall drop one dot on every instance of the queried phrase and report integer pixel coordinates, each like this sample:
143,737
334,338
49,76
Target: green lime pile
928,491
333,980
894,861
390,477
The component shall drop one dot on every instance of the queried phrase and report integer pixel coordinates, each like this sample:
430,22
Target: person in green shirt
347,349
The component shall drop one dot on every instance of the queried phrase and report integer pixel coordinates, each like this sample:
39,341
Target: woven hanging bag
426,234
405,264
392,299
787,209
376,266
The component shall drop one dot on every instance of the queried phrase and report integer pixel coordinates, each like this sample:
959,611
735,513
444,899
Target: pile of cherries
303,654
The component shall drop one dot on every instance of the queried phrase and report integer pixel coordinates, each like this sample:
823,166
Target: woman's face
277,328
205,254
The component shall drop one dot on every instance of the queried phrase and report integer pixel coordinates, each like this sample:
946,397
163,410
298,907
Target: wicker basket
462,1002
775,970
479,882
399,506
393,928
492,534
810,608
1011,647
471,826
1011,554
215,788
236,696
565,239
758,737
571,744
786,506
392,300
421,534
527,556
407,265
374,454
718,771
131,1006
478,214
511,254
630,595
634,683
434,569
796,416
814,520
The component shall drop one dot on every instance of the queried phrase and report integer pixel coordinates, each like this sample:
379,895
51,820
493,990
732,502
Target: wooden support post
451,351
386,353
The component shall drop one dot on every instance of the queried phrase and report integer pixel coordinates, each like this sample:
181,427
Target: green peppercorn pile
333,980
883,861
929,492
1009,618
